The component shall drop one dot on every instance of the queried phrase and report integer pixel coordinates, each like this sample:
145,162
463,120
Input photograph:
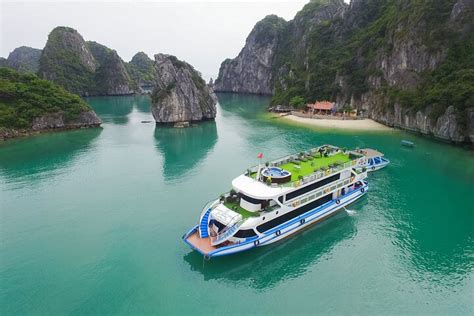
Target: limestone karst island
264,157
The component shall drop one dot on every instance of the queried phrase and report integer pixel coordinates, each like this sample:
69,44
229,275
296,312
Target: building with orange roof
321,107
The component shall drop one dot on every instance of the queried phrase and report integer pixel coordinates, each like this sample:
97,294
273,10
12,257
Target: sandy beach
364,124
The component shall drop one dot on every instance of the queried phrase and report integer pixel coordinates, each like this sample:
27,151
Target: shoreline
360,125
10,134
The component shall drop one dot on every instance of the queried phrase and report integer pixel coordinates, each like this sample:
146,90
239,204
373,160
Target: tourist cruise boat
271,202
374,160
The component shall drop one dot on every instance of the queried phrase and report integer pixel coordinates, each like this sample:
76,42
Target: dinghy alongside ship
273,202
374,160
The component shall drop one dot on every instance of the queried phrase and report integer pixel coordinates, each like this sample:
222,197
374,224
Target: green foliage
64,66
84,68
335,48
99,51
452,83
111,73
141,68
176,62
24,97
197,79
297,101
268,28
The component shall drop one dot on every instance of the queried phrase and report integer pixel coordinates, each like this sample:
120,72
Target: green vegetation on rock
141,69
84,68
67,61
24,59
24,97
351,48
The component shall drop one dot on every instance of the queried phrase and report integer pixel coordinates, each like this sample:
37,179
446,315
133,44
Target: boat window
245,233
313,186
371,162
295,213
280,199
377,160
251,200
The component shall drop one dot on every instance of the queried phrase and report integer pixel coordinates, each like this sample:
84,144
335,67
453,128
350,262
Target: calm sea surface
91,222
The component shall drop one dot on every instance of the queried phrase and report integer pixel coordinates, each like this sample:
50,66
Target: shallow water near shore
91,222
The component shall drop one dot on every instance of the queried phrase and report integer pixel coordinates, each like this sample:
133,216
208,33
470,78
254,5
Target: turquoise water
91,222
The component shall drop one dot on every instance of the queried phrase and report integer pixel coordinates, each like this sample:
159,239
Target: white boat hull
374,167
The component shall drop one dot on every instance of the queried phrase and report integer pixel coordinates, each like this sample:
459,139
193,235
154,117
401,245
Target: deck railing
317,194
226,233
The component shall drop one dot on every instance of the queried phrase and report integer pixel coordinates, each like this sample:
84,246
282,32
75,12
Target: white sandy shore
364,124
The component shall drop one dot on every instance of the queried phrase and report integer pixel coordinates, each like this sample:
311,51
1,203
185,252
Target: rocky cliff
84,68
251,70
142,71
180,94
24,59
404,63
68,61
112,77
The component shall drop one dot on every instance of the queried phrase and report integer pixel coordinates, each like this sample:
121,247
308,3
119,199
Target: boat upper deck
310,165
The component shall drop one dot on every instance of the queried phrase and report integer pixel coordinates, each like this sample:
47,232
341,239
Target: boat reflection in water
265,267
184,148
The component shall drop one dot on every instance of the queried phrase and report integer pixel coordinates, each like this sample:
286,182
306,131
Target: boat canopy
370,153
257,189
225,215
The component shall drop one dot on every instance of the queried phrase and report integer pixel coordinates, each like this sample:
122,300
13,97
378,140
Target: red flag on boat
260,156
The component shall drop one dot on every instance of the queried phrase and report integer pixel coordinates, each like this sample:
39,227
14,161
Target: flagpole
259,156
258,171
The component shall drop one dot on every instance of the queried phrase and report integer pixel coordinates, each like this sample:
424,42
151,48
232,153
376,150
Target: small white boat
374,160
267,204
407,143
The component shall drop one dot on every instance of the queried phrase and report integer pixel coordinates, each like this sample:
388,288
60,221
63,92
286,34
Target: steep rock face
24,59
68,61
406,83
142,71
84,68
98,51
112,77
446,127
405,63
251,70
180,94
59,121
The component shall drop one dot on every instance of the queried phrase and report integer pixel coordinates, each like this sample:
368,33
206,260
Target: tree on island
297,101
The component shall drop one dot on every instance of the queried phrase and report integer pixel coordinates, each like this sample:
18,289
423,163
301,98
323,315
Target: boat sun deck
308,165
